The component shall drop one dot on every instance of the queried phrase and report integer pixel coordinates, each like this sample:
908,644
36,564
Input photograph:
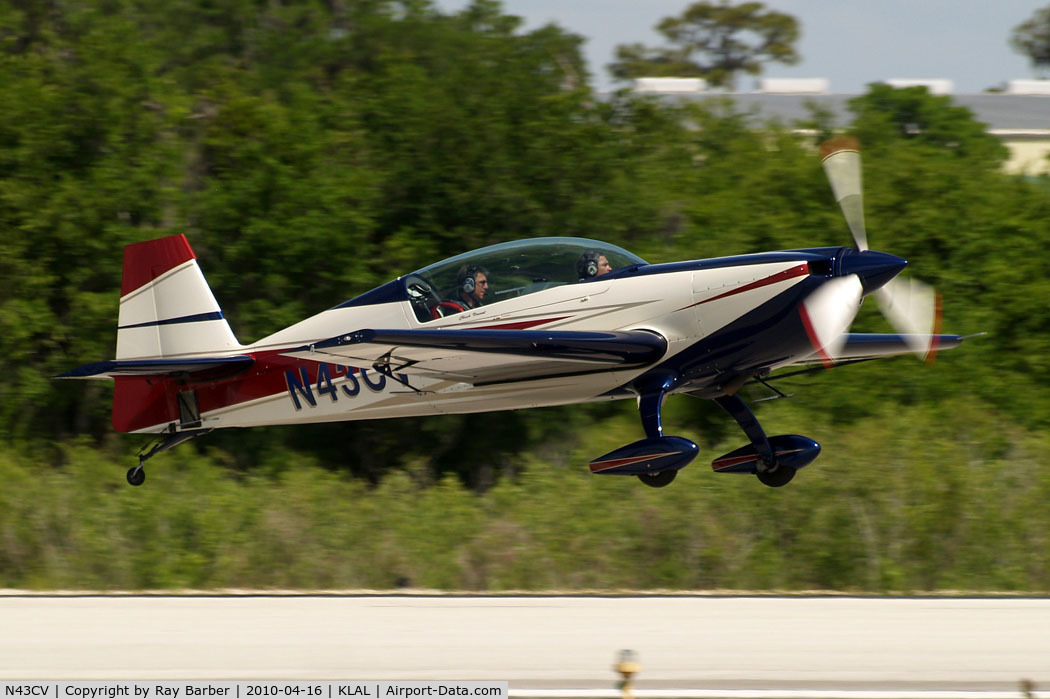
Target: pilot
592,264
473,283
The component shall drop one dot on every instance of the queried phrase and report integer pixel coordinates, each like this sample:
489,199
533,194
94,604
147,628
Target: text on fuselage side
332,380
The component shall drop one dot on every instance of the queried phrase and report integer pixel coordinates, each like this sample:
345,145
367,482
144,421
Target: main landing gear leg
655,459
137,475
651,399
769,471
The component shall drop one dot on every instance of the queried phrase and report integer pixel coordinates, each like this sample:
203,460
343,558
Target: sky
849,42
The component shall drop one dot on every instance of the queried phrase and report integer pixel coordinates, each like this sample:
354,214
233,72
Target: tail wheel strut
137,475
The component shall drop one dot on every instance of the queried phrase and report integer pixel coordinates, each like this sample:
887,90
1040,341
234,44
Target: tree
1033,38
714,41
886,115
303,171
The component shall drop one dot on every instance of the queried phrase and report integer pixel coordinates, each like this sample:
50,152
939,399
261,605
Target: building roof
999,112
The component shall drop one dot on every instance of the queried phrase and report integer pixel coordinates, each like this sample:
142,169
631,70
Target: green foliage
1032,38
896,503
714,41
912,119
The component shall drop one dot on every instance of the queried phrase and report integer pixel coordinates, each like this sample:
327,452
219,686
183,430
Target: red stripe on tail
144,262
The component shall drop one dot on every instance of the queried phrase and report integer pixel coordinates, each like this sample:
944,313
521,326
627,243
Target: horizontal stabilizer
488,355
143,368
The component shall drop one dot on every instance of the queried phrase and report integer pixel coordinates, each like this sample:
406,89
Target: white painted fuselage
681,306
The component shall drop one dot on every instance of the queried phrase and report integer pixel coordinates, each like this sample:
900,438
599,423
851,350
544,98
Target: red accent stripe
614,463
798,271
935,343
144,262
726,463
720,464
519,325
825,358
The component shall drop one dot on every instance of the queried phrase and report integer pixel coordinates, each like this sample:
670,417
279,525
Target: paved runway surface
535,642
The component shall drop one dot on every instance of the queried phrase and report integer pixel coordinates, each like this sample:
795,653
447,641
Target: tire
776,479
658,480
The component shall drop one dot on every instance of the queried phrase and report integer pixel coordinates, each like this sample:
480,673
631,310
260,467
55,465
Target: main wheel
137,475
775,479
658,480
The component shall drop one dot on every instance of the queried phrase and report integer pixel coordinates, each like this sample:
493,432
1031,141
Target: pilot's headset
587,265
466,279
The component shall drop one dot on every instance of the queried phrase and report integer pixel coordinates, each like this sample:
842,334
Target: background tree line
311,150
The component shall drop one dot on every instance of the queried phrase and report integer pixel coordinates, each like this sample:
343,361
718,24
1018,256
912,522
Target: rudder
167,308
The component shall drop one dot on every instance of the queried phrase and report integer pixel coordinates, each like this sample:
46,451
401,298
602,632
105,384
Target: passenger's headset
588,266
467,284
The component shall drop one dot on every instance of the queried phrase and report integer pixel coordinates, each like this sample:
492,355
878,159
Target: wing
487,356
859,347
194,368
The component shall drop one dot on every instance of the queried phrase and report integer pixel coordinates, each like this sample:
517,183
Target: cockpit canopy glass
513,269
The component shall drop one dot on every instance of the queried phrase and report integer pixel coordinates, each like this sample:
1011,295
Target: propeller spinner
911,307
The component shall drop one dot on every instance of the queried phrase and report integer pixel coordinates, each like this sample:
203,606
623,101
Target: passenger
592,264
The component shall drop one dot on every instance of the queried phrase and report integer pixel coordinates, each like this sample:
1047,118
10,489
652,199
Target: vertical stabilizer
166,306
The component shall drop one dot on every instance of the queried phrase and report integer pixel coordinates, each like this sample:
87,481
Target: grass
895,504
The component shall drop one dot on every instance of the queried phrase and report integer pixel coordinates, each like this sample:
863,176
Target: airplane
522,324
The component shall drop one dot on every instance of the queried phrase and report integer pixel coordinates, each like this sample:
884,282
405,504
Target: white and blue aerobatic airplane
555,328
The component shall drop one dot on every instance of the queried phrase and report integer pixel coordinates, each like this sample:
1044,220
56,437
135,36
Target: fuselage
722,319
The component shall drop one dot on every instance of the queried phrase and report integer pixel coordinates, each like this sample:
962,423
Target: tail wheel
658,480
775,479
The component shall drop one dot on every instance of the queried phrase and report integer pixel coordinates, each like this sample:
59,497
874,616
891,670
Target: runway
537,643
